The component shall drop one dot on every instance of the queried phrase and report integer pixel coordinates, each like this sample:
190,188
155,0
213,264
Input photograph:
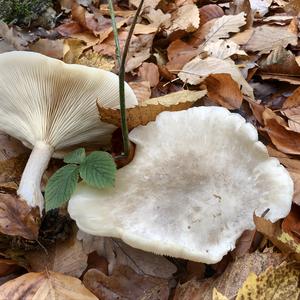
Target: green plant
22,11
98,169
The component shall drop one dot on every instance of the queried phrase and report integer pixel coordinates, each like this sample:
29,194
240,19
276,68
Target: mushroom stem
30,185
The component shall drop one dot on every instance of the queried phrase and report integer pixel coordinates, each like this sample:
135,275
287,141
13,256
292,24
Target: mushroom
50,105
196,180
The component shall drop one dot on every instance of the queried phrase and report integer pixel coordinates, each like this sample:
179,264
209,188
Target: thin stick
122,80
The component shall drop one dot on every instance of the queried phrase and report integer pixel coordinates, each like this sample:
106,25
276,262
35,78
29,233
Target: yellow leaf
218,296
149,109
275,283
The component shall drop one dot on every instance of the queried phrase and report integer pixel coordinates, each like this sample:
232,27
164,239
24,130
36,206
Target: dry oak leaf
222,89
17,218
157,18
45,286
52,48
281,282
195,71
148,111
186,18
142,90
267,38
125,284
284,139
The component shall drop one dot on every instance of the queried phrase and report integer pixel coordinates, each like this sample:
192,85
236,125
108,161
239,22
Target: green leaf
98,169
61,186
75,157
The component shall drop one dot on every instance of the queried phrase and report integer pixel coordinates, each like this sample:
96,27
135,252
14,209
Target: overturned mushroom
196,180
49,105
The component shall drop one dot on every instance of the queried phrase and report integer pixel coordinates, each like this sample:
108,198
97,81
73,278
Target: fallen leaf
143,114
223,49
149,72
17,218
157,18
45,286
119,254
218,296
222,89
291,223
185,18
180,53
65,257
260,7
209,12
145,29
52,48
282,137
231,280
281,282
147,3
267,38
124,283
142,90
195,71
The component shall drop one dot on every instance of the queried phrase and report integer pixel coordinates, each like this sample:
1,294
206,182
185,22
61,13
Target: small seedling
97,169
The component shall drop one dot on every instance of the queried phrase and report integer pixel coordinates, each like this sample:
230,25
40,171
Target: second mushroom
197,179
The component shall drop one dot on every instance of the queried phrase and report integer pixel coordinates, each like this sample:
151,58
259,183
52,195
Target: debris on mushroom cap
196,180
50,105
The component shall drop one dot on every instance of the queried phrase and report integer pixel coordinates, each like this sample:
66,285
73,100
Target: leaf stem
115,31
122,79
122,71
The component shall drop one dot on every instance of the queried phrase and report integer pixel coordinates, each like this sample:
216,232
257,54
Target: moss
22,12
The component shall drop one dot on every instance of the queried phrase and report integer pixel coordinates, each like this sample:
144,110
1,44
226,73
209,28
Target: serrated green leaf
75,157
61,186
98,169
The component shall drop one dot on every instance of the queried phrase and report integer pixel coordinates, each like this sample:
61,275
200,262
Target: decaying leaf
291,224
209,12
231,280
266,38
142,90
222,89
198,69
64,257
149,72
281,282
143,114
282,137
185,18
124,283
45,286
119,254
17,218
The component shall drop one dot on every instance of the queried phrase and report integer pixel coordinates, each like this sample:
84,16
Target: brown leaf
45,286
124,283
282,137
291,223
142,90
222,89
149,72
209,12
52,48
266,38
143,114
65,257
231,280
119,254
17,218
180,53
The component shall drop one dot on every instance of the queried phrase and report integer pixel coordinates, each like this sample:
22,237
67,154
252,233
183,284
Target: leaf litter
240,54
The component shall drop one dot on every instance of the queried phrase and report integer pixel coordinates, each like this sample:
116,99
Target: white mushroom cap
196,180
50,105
